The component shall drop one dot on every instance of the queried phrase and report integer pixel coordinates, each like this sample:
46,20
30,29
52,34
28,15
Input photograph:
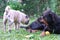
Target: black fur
37,25
53,21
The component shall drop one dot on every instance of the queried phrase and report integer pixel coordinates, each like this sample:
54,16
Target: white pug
14,16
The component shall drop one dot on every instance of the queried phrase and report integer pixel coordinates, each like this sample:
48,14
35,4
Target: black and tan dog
53,21
48,22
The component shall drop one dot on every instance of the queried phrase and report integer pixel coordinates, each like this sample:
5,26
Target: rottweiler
48,22
53,21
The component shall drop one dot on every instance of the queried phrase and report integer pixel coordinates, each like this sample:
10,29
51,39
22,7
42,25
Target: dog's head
42,20
39,24
48,15
7,8
25,18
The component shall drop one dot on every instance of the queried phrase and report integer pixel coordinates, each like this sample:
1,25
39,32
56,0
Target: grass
22,33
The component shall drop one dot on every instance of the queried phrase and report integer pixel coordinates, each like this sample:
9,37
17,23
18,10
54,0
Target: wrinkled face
25,19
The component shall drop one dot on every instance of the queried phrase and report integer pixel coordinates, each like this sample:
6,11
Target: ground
21,34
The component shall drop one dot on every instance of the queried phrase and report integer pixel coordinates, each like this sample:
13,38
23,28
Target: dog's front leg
4,23
43,33
10,23
17,26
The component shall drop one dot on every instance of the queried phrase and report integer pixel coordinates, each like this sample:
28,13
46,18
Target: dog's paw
42,34
10,31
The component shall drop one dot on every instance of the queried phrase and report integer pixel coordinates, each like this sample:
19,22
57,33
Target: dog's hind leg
15,26
18,27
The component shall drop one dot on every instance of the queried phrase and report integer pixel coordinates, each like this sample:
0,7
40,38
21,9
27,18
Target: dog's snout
27,22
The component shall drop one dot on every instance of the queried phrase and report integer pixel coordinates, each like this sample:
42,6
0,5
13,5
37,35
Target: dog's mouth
27,22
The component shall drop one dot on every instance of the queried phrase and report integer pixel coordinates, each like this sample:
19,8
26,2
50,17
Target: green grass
22,33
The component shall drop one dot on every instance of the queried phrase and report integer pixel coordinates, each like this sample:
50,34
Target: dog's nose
27,22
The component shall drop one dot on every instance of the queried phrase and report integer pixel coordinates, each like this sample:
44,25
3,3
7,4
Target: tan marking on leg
34,31
43,33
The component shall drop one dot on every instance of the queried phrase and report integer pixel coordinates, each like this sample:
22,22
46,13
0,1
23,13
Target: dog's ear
27,17
39,19
50,15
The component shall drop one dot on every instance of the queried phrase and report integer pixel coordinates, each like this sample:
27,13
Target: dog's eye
27,17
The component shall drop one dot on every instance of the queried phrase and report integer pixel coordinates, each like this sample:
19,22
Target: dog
50,21
53,21
14,16
48,16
